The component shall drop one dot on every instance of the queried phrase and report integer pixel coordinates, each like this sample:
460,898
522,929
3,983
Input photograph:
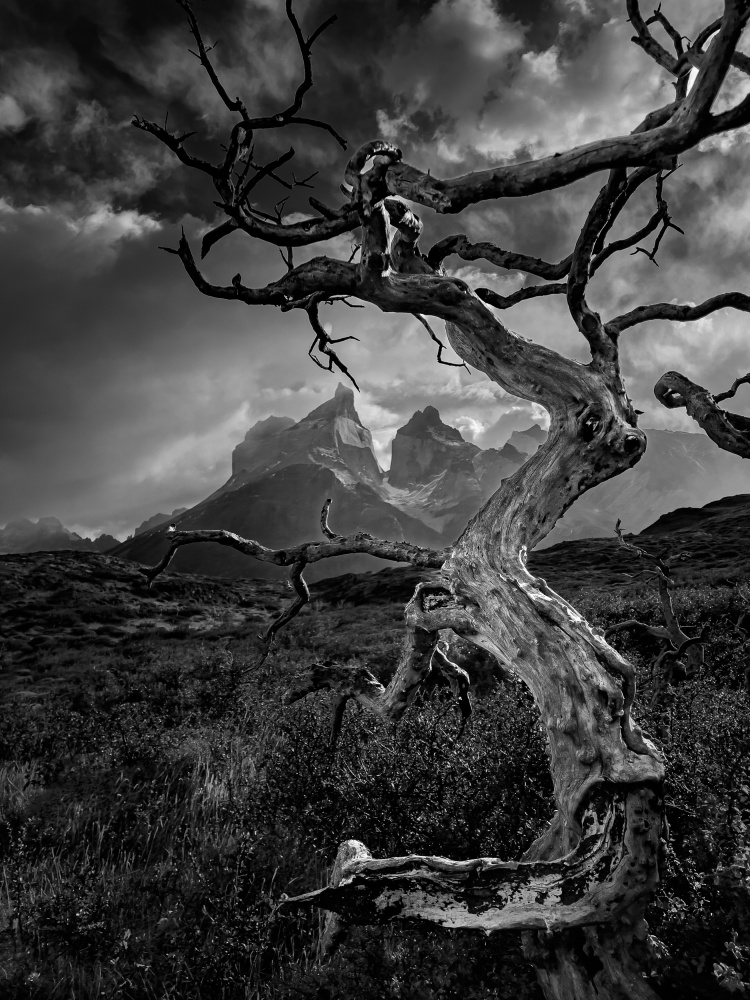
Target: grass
156,804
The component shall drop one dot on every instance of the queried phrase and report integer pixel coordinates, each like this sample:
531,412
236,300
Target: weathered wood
614,862
730,431
581,890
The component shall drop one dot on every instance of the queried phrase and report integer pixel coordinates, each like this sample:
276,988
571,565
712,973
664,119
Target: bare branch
662,216
510,260
214,235
507,259
295,234
431,608
441,345
298,584
676,641
175,143
730,431
323,342
667,132
304,281
267,170
202,55
587,321
656,630
324,521
304,47
659,18
299,556
544,269
742,380
307,552
647,42
678,313
458,679
493,298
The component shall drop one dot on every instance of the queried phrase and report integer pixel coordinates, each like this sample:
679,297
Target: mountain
282,473
425,448
284,470
157,519
332,436
721,513
48,535
529,440
679,469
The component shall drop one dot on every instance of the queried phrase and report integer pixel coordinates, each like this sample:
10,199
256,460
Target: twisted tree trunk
601,765
582,888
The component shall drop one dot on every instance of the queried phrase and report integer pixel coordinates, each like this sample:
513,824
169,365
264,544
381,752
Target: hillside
79,598
159,794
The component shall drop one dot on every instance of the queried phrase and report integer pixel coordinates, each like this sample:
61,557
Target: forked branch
730,431
420,652
667,666
298,556
323,341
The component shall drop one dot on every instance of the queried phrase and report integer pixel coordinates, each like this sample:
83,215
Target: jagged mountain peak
536,431
331,435
527,441
426,447
427,423
341,405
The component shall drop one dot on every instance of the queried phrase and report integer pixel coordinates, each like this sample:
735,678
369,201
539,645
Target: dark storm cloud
73,80
124,390
74,77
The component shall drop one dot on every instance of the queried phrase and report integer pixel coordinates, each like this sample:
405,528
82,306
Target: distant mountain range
284,470
48,535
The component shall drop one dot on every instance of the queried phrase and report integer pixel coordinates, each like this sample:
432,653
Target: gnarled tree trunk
582,888
583,690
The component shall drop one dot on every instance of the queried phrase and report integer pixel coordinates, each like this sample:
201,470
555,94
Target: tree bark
581,889
582,687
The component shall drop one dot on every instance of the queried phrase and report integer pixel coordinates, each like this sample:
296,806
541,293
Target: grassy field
157,800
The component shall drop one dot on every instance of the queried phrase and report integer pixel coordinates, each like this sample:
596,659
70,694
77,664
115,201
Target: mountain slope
679,469
283,471
281,509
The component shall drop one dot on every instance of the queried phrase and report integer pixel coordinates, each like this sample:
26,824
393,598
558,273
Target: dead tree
581,890
681,656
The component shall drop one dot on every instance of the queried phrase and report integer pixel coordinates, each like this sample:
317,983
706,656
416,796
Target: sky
123,390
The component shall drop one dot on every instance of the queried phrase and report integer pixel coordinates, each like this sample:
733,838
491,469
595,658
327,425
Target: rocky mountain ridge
48,534
284,470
